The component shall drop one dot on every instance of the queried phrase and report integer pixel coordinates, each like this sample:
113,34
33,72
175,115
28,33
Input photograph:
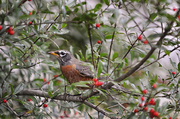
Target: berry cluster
140,38
144,104
10,31
97,83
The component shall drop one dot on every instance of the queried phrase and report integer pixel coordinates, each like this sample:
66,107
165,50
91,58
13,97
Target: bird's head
63,56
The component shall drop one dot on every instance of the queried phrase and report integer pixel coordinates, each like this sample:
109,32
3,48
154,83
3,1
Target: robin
73,69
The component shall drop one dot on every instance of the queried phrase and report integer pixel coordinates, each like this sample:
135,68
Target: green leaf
167,52
90,116
50,93
50,86
103,54
19,88
115,55
108,36
126,61
172,63
179,66
100,68
106,2
101,92
153,16
63,25
81,84
12,89
97,7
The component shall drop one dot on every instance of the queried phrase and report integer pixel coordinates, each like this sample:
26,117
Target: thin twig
109,56
90,40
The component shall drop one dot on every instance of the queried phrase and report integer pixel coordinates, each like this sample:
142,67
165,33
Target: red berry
55,76
173,73
29,0
156,114
152,111
11,32
170,117
152,101
140,105
61,117
29,99
100,83
0,27
96,83
30,22
25,61
10,29
99,42
144,91
47,82
97,25
154,86
179,17
75,113
139,37
95,79
5,101
145,108
135,111
45,105
174,9
30,13
142,98
145,104
145,42
44,79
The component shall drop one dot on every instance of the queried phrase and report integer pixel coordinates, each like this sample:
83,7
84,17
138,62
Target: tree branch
72,98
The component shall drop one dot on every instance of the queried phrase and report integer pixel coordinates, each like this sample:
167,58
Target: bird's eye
62,53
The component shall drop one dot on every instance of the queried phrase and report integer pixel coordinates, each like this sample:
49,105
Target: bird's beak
53,53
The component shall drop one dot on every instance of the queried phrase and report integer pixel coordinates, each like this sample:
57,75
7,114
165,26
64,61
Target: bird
72,69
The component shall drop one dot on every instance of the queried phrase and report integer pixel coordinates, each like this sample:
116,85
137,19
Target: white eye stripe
62,53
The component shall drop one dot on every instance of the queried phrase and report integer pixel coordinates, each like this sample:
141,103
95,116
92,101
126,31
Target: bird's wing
84,70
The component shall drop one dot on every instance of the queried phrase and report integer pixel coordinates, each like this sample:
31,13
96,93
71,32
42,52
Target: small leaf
97,7
108,37
179,66
19,88
12,89
90,116
172,63
81,84
115,55
167,52
103,54
106,2
100,68
153,16
50,93
63,25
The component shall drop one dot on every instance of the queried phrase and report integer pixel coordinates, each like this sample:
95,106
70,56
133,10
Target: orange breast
72,75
